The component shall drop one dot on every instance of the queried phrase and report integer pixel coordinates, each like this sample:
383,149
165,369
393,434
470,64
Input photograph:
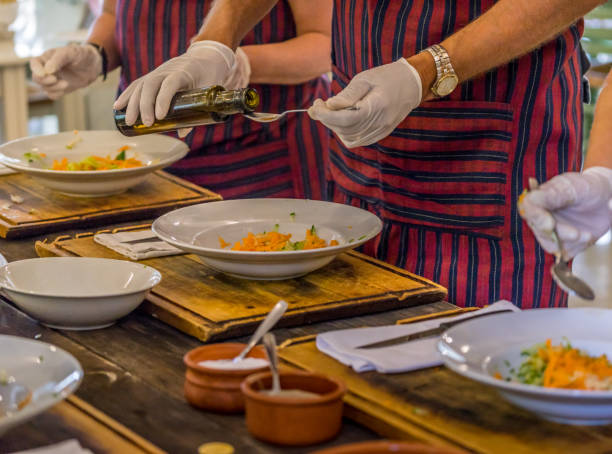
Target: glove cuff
602,172
240,74
103,57
417,78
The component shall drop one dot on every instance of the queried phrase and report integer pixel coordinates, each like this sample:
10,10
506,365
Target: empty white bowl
197,228
77,293
482,347
49,373
156,151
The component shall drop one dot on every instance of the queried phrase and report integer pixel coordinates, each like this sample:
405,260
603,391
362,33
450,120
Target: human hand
382,98
579,205
204,64
64,69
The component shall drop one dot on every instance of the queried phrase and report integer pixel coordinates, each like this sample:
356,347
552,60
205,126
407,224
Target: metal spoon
273,316
561,272
265,117
269,342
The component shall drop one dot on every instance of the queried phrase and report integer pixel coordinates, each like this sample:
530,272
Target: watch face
447,84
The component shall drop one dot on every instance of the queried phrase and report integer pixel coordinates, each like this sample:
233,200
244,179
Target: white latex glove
383,97
578,204
64,69
204,64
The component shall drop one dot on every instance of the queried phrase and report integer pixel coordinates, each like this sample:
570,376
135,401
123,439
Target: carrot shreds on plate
275,241
99,162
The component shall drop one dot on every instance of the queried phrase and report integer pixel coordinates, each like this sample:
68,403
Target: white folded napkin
65,447
136,245
418,354
4,170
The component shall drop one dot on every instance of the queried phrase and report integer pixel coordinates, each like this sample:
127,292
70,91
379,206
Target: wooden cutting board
210,305
43,210
440,407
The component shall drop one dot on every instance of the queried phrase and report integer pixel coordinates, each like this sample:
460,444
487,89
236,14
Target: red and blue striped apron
447,180
239,158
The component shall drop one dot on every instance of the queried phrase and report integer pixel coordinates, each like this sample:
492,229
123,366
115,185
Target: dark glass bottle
201,106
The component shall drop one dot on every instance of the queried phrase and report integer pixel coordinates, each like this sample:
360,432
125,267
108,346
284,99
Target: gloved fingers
60,58
56,90
148,95
167,90
536,216
45,81
37,66
336,119
133,106
557,193
547,242
183,132
124,97
353,93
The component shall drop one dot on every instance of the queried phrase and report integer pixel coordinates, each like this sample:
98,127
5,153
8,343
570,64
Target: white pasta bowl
196,229
154,151
482,347
77,293
42,372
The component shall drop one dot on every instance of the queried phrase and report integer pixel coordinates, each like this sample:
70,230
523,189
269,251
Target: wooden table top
134,377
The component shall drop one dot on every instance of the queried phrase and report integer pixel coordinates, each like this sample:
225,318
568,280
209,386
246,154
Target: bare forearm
290,62
229,20
509,29
102,32
599,152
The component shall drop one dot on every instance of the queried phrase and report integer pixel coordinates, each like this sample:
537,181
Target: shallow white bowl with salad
212,230
92,163
509,353
34,376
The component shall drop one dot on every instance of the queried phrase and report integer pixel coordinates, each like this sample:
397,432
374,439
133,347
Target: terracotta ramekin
217,389
293,421
388,446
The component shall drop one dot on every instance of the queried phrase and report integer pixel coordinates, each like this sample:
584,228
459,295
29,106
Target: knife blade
426,333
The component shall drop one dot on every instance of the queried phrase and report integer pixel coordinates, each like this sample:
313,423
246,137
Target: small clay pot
292,421
217,389
388,446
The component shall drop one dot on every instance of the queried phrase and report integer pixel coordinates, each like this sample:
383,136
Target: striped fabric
239,158
447,180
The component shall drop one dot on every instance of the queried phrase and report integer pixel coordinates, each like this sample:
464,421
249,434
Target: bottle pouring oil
201,106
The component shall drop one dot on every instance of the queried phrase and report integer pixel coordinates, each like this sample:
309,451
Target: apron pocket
446,166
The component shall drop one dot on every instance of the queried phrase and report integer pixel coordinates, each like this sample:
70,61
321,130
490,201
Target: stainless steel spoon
273,316
269,342
265,117
561,272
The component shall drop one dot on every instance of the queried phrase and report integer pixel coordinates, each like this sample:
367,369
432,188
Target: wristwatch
446,77
102,53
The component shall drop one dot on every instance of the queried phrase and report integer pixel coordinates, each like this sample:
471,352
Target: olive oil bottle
201,106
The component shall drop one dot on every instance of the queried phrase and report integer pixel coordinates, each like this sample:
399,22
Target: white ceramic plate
48,372
77,292
155,151
479,348
196,229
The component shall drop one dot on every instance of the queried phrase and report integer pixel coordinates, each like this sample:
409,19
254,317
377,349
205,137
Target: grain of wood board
440,407
210,305
43,210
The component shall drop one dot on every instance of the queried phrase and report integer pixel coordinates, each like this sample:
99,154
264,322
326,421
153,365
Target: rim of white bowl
180,152
515,387
154,272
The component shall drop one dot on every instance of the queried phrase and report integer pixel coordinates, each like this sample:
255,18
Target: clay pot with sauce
291,420
214,389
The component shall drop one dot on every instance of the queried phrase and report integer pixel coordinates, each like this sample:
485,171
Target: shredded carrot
99,162
275,241
224,243
570,368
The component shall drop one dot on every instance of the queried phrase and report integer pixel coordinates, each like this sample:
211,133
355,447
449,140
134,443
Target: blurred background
37,25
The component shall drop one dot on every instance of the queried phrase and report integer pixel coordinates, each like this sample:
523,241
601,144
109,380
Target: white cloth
205,63
382,98
65,447
64,69
576,204
136,245
342,345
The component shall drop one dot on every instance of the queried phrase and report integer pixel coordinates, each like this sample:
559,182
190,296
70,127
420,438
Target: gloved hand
64,69
578,204
204,64
383,97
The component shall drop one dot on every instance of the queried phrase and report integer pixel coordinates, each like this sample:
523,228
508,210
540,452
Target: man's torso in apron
239,158
447,180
